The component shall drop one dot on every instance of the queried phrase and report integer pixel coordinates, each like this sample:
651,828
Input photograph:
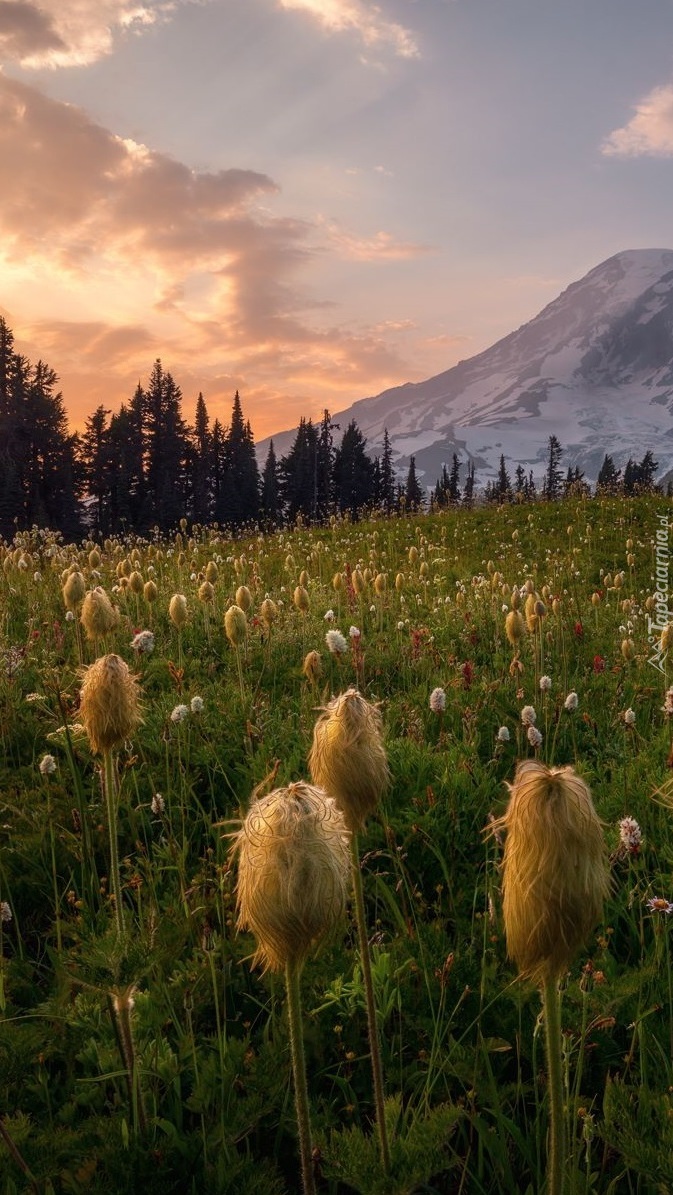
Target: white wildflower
438,701
503,735
354,633
571,702
629,717
528,715
336,643
69,616
196,705
534,736
158,804
667,707
630,835
47,765
143,642
5,912
329,616
179,713
545,684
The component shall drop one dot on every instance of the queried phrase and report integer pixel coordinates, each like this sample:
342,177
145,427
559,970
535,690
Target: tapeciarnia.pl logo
662,614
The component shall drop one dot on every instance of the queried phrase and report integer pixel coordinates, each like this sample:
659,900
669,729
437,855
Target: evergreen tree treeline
145,467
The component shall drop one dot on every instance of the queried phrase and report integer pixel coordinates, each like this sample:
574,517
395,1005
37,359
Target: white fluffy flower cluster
336,643
438,701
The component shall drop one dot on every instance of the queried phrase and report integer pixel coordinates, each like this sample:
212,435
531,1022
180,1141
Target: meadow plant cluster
297,829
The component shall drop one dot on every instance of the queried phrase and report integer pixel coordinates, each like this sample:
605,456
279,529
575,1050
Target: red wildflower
579,630
599,664
467,672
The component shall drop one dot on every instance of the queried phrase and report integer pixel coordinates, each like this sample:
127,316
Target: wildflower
599,664
293,858
109,703
312,666
534,737
235,625
157,804
336,643
177,610
47,765
545,684
438,701
571,702
555,873
5,912
630,835
179,713
667,707
503,735
329,616
348,758
658,904
143,642
196,705
629,717
528,716
400,625
355,632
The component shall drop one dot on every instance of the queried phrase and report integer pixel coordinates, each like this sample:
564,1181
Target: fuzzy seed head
358,582
268,612
177,610
74,591
312,666
301,599
206,592
150,592
98,616
109,707
243,598
211,572
235,625
136,583
348,758
293,868
555,868
514,626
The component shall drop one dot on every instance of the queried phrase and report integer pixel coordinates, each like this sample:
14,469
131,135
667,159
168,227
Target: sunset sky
312,200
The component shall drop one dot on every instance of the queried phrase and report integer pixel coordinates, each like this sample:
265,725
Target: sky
313,200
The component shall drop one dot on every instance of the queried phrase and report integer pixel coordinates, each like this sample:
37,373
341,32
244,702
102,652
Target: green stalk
109,787
551,1003
365,962
292,975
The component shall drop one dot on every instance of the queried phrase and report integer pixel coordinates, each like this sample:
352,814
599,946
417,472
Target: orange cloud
71,32
363,18
650,130
112,254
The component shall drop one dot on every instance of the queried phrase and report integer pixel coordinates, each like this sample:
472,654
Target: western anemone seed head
514,626
74,591
98,616
150,592
136,584
293,867
555,869
312,666
235,625
399,582
211,572
177,610
301,599
337,582
109,703
380,583
243,598
268,612
206,592
348,758
628,649
303,578
94,558
358,582
666,641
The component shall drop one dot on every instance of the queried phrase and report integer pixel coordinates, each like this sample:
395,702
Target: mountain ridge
594,368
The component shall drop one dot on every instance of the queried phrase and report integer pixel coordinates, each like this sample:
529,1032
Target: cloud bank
57,33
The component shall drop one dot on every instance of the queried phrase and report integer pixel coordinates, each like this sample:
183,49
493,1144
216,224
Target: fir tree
271,513
413,494
353,473
553,476
387,480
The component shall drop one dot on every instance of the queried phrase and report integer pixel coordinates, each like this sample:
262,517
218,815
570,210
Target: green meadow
157,1060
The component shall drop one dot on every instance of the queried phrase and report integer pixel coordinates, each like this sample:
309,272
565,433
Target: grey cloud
26,30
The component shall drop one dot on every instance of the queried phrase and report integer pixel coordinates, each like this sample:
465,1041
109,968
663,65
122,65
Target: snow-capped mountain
594,368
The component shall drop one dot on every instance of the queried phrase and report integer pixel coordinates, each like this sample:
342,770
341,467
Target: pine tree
553,476
353,473
468,492
647,470
608,477
239,495
503,485
271,513
200,464
297,473
95,457
413,494
387,481
167,450
453,491
324,467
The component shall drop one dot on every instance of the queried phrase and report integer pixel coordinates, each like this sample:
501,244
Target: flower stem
365,962
109,787
292,976
551,1001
